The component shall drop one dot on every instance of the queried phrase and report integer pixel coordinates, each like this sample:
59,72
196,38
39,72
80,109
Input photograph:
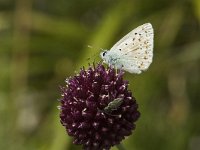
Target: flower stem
120,147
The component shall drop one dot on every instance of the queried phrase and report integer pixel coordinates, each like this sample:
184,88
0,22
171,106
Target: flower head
97,109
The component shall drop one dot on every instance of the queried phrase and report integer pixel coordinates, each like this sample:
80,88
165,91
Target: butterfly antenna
91,47
101,49
95,56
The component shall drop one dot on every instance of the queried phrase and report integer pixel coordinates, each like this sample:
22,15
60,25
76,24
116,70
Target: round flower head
97,109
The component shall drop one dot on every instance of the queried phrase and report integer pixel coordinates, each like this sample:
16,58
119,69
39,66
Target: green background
42,42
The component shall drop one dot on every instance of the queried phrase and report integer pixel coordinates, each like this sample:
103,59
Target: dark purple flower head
97,109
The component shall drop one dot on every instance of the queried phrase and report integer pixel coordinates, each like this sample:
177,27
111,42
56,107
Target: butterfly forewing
135,50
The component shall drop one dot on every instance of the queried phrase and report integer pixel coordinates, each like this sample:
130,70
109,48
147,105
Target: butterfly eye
104,53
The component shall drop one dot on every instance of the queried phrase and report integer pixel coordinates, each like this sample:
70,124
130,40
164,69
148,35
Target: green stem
120,147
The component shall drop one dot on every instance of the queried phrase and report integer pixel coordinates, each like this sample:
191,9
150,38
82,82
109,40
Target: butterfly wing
135,50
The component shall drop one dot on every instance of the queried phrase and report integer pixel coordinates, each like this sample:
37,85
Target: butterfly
134,52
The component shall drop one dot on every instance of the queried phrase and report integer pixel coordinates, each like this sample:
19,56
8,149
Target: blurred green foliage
42,42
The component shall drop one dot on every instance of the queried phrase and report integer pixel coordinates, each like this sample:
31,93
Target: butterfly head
104,55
